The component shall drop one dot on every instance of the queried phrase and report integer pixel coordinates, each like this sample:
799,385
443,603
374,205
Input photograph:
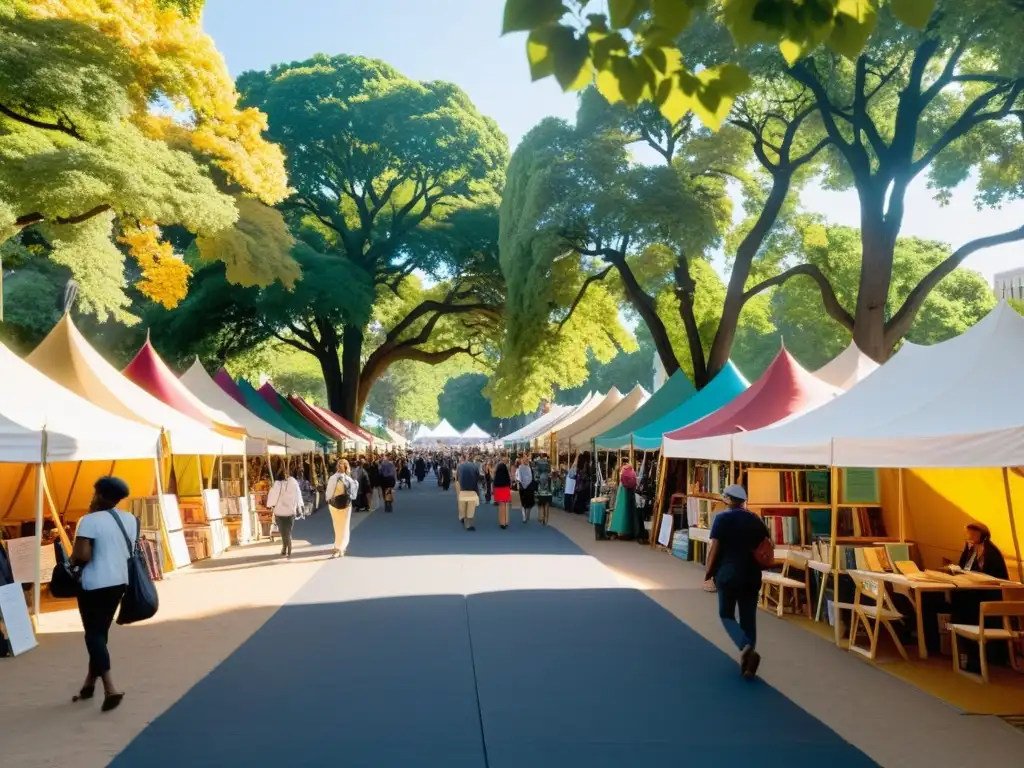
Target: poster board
211,501
22,554
175,534
860,486
15,625
665,530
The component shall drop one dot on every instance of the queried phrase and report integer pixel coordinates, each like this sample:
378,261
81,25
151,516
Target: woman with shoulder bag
342,489
102,552
285,498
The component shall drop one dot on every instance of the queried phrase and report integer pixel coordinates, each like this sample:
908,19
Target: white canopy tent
602,419
847,368
42,421
954,404
582,417
475,434
522,434
423,434
264,437
44,425
445,432
396,438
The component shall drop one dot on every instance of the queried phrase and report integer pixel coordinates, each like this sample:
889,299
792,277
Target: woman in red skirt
503,490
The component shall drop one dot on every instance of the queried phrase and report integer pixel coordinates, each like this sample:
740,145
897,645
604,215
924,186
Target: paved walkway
433,646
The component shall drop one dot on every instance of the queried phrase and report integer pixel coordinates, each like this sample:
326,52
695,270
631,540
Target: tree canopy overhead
394,189
86,159
632,52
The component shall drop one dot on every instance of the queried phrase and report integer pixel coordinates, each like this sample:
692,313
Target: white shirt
285,497
524,475
350,485
109,564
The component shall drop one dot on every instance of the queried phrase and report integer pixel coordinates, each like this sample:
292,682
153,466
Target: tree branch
37,218
583,290
65,127
292,342
828,295
900,324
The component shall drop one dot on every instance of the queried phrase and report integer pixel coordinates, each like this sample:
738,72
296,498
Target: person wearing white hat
735,535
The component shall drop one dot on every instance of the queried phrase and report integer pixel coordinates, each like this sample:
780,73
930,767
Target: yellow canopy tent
45,427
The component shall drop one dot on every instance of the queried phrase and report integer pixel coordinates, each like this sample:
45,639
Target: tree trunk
721,347
686,289
331,369
351,364
878,247
645,307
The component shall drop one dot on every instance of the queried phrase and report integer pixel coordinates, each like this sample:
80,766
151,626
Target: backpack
764,553
341,500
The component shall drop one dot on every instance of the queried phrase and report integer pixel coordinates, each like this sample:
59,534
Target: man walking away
735,536
467,484
388,479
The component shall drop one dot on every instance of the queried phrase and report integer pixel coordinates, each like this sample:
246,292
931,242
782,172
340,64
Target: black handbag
140,601
341,500
66,579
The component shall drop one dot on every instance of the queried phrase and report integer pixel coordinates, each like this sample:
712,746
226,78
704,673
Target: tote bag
66,580
140,601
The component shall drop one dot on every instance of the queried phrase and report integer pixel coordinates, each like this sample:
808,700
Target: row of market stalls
198,451
931,440
445,434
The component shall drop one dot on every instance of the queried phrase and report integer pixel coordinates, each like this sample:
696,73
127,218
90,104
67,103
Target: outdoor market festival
510,383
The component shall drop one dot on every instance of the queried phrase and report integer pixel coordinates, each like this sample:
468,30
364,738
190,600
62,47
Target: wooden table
917,586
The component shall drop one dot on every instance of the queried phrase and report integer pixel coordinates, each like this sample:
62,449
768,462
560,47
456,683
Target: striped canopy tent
203,386
672,394
726,385
784,390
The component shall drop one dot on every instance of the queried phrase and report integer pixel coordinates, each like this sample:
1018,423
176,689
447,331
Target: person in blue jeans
735,534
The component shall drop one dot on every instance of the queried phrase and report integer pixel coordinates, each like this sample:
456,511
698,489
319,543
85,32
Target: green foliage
623,371
82,158
463,403
631,52
958,302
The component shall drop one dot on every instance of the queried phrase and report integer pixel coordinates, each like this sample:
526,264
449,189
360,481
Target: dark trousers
730,598
487,489
97,608
284,525
599,532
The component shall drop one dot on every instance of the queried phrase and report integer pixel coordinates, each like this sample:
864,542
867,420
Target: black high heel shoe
87,692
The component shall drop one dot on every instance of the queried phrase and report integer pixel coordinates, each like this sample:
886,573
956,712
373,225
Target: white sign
172,515
211,498
179,549
17,625
665,530
21,553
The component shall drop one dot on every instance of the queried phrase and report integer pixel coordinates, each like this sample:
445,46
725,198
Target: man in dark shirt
467,483
735,534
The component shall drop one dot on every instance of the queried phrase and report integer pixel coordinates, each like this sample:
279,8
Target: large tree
89,170
947,102
376,160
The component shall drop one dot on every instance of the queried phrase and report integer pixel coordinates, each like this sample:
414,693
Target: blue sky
459,41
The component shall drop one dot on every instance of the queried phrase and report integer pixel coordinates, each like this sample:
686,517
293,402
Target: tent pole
899,501
834,551
37,584
1013,525
631,456
165,535
659,499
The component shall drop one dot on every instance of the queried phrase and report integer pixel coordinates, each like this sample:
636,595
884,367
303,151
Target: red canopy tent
784,389
225,382
359,431
335,430
148,370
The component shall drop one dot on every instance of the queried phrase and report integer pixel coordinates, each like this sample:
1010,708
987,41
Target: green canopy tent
672,394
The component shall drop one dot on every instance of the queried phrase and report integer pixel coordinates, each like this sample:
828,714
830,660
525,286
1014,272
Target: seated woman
982,556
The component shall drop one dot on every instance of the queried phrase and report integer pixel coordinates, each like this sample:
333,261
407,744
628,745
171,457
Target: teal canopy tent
672,394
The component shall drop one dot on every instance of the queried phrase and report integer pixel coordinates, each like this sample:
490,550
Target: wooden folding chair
774,587
1005,609
875,614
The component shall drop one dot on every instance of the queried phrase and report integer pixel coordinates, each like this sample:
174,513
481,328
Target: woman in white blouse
342,489
285,498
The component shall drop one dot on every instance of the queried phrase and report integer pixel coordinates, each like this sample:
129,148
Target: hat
737,492
112,488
